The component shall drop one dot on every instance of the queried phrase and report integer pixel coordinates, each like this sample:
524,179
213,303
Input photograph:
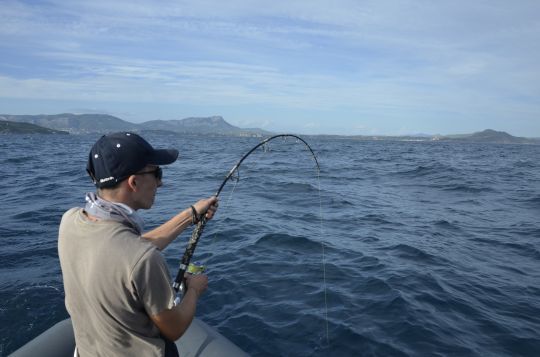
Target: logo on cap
106,179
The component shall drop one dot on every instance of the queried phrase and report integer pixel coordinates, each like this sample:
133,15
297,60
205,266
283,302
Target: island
11,127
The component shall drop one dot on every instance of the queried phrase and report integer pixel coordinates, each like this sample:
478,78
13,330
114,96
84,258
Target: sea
392,248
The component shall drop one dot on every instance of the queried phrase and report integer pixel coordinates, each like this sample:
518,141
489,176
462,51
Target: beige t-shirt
113,280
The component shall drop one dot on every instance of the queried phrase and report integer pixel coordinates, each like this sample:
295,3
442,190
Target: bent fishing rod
178,284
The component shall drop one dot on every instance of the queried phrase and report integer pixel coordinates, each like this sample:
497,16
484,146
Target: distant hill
189,125
490,136
11,127
216,125
103,123
486,136
75,123
210,125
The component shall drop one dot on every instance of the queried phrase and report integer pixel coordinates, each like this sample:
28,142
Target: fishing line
323,259
179,285
228,201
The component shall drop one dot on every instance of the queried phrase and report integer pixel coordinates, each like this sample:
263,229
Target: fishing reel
196,268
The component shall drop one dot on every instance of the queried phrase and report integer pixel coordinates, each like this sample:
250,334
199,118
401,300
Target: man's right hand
172,323
198,283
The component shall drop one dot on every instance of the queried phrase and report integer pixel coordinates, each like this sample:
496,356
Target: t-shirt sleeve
151,281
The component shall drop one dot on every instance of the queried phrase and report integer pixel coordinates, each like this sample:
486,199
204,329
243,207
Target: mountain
490,136
189,125
11,127
215,125
103,123
486,136
75,123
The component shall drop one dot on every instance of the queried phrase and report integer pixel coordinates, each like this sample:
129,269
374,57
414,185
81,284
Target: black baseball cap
116,156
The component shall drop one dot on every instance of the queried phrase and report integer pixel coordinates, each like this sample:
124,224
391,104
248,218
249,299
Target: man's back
113,281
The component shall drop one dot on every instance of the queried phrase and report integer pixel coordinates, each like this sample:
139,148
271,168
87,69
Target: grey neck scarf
103,209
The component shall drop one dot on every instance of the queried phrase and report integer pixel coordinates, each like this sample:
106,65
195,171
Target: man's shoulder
113,236
69,217
71,212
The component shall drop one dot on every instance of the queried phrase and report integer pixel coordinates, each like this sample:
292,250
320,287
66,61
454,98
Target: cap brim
163,157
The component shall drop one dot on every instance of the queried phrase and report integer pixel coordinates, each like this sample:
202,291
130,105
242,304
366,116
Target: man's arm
168,231
172,323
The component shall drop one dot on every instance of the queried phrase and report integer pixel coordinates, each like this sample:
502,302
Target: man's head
117,156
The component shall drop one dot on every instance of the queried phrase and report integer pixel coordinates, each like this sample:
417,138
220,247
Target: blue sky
336,67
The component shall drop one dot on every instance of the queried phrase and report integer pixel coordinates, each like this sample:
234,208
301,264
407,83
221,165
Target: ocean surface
394,249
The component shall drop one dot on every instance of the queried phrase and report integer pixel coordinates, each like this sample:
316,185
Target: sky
311,67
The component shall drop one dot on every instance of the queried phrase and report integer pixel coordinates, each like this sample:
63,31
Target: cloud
405,59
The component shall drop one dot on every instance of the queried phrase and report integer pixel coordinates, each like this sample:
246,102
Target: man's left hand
208,206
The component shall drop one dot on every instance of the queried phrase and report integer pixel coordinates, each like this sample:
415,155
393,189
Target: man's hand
197,283
172,323
208,206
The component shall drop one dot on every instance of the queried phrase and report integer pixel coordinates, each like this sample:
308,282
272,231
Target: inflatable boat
199,340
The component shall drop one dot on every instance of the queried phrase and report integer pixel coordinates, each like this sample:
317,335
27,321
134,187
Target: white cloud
405,59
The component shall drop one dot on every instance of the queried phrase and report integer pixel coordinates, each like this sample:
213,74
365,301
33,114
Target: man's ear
132,183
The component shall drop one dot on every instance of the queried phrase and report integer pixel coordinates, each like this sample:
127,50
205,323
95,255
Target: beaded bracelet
194,215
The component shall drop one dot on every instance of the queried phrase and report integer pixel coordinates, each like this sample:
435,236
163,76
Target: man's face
147,182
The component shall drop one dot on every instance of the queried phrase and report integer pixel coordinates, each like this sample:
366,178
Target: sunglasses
158,173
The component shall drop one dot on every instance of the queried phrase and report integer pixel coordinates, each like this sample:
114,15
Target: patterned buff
103,209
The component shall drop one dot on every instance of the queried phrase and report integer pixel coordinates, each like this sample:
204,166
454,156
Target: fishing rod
178,284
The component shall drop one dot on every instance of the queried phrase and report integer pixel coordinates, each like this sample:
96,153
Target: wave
532,201
526,164
409,252
467,188
433,169
523,249
295,187
23,314
447,225
380,219
22,257
19,160
289,242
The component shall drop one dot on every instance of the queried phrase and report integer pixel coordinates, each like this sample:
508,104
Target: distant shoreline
215,125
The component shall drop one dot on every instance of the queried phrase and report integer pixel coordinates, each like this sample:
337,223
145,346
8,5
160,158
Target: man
117,284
